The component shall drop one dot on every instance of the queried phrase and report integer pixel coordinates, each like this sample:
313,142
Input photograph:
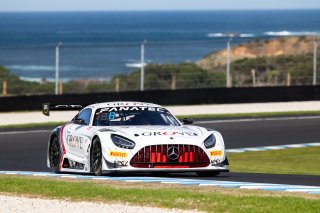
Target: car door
77,138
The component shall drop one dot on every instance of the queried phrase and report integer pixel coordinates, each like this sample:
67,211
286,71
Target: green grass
286,161
209,200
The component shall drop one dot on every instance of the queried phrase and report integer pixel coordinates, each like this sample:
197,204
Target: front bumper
157,162
192,157
165,170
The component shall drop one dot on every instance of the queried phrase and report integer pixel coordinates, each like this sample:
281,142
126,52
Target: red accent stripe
62,141
185,160
159,167
164,153
155,156
181,154
164,158
63,147
158,157
191,157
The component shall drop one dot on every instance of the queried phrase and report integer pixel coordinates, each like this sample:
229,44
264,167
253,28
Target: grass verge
284,161
209,199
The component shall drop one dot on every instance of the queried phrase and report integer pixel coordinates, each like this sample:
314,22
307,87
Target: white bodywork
76,142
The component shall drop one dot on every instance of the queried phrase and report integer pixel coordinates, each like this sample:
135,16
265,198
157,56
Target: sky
137,5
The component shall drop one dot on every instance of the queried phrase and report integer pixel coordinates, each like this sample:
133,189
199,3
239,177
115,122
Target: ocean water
101,44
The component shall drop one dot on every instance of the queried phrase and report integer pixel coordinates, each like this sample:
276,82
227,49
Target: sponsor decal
215,162
118,154
120,163
112,115
128,104
76,165
75,141
132,108
169,134
215,153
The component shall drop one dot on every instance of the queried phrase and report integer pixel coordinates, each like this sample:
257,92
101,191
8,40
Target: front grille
155,156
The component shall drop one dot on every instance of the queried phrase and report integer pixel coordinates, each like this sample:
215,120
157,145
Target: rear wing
47,107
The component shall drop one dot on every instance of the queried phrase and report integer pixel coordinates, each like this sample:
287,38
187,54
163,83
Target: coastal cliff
284,46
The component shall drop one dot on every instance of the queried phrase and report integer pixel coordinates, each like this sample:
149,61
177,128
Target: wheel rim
96,157
54,154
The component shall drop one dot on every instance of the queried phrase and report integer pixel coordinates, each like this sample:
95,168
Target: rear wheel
55,155
96,157
208,173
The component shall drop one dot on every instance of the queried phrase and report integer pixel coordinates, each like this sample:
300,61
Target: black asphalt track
25,149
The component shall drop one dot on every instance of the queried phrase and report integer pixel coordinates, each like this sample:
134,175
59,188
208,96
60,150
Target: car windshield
132,116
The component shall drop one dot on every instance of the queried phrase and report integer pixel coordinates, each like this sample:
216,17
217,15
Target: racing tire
55,155
96,157
208,173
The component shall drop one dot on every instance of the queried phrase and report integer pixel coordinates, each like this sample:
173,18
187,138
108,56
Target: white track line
269,148
40,175
228,184
68,176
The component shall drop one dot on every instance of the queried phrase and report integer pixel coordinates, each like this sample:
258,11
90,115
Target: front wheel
55,155
208,173
96,157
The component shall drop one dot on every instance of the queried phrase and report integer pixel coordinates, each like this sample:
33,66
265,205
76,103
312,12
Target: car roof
122,103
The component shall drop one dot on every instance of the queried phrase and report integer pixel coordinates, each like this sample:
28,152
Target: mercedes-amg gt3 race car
135,137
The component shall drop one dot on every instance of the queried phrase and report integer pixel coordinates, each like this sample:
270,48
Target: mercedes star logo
173,153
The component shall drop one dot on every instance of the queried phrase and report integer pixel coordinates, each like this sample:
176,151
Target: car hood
161,134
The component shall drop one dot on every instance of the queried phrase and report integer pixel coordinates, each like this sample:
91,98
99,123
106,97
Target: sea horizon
100,44
173,10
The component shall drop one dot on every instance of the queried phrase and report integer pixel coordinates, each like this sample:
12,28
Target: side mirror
79,121
187,121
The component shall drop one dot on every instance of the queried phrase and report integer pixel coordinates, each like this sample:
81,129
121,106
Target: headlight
210,141
122,142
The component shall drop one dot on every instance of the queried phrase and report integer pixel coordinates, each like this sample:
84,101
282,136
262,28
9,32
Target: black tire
208,173
55,155
96,157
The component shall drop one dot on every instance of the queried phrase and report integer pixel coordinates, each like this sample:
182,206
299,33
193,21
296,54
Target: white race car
116,137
